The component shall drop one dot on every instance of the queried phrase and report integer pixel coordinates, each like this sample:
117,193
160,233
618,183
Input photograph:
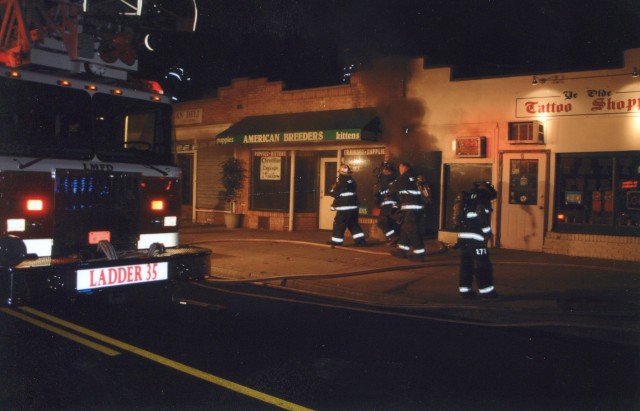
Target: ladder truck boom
95,36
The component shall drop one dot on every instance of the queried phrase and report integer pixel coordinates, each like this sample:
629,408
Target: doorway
523,200
328,176
186,163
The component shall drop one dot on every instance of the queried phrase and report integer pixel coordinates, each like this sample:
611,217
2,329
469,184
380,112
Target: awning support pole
292,183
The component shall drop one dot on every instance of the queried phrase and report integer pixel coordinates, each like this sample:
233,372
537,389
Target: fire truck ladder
77,35
15,44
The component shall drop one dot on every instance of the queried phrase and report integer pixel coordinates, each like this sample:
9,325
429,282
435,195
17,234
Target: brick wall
254,97
305,221
594,246
266,220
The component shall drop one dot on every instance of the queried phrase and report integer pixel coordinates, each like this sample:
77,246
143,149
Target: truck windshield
132,130
38,120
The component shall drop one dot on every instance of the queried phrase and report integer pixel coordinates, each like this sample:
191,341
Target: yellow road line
170,363
80,340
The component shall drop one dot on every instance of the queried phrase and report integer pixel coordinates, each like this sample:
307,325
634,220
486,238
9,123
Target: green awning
335,125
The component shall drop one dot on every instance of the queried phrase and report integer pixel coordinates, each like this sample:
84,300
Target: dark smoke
402,119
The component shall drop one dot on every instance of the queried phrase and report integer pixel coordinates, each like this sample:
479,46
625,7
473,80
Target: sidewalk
587,297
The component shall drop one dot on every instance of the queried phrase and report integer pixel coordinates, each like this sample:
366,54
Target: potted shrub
233,175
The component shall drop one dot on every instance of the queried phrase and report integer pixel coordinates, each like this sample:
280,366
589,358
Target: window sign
573,197
270,168
523,182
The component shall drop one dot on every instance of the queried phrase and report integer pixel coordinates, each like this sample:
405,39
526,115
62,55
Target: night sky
307,43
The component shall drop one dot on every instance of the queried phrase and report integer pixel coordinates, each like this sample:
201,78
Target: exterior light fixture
635,73
539,80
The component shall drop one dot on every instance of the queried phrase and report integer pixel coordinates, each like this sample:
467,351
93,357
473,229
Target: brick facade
594,246
438,110
256,97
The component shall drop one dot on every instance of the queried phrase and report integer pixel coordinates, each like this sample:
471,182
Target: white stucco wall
485,107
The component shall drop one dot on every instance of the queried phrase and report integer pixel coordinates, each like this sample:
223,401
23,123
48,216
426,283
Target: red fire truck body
90,193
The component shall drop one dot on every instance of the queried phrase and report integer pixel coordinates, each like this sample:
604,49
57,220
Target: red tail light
161,206
35,204
157,205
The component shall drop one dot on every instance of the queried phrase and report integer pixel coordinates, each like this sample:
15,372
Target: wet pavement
591,298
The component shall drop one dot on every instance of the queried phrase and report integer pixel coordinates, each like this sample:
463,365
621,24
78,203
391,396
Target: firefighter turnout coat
411,204
345,203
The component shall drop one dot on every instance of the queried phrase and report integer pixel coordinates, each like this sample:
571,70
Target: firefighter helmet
487,187
387,166
407,164
345,170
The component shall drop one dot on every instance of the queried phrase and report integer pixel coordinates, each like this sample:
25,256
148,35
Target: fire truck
90,193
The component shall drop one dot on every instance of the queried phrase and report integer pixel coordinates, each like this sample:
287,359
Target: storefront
292,161
562,149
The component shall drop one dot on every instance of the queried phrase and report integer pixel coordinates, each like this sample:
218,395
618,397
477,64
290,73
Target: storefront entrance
523,199
328,175
187,165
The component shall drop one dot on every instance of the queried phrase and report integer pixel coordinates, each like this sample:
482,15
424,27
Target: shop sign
184,117
580,103
363,151
292,137
471,146
280,153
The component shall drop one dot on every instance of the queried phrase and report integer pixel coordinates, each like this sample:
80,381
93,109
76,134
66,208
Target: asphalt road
254,348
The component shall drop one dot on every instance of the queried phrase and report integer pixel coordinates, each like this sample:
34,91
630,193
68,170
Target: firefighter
388,206
345,204
411,204
474,224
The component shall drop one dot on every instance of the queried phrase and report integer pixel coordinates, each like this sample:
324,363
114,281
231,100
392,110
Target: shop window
598,193
270,181
270,172
460,177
